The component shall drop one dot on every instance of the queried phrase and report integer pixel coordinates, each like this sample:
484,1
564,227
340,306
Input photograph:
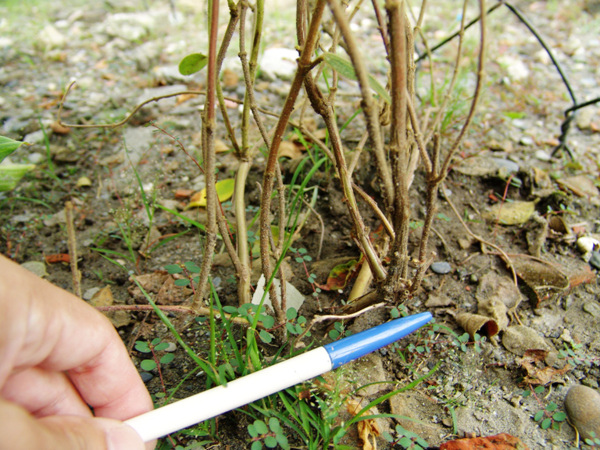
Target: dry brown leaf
290,150
476,323
221,146
540,279
537,370
184,98
367,429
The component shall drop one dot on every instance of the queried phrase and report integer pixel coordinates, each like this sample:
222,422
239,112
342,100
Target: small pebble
542,155
583,408
592,308
595,260
171,347
441,267
146,376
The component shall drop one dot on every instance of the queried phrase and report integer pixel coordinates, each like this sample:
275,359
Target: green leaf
546,424
142,346
182,282
345,69
166,359
252,430
173,268
551,406
192,63
291,313
161,346
7,146
148,365
267,321
271,442
274,425
11,174
538,416
256,445
265,336
282,440
261,427
192,267
539,389
559,416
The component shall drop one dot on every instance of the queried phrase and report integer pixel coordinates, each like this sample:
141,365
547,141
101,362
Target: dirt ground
509,194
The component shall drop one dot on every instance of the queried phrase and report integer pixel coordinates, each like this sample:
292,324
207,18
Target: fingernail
123,437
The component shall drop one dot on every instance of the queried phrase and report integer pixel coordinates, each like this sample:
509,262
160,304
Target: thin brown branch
370,108
477,93
304,65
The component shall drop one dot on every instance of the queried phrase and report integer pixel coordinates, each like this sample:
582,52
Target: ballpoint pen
205,405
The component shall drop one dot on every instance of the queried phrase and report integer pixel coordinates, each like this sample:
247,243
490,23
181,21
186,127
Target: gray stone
279,63
441,267
37,267
582,405
595,260
592,308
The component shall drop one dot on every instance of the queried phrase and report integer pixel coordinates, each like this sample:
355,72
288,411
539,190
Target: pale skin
60,359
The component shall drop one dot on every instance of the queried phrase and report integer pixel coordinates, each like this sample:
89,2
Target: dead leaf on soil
501,441
290,150
537,370
513,213
495,309
224,192
476,323
221,146
367,429
580,185
340,275
498,286
541,280
58,258
162,284
104,297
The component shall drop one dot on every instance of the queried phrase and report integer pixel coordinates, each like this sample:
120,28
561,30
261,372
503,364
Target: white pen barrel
218,400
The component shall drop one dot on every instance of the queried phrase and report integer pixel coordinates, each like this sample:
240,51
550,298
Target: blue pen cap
359,344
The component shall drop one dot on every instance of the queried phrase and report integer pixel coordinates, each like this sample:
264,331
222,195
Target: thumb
23,431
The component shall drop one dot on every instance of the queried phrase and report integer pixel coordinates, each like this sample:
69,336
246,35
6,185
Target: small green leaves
345,69
7,146
272,435
192,63
10,174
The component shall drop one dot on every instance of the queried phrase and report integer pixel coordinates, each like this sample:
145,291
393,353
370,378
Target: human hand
58,358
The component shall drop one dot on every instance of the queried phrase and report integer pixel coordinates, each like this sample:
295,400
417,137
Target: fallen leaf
290,150
162,285
221,146
367,429
501,441
184,98
183,193
580,185
512,213
538,373
224,192
476,323
340,275
84,182
540,279
58,258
